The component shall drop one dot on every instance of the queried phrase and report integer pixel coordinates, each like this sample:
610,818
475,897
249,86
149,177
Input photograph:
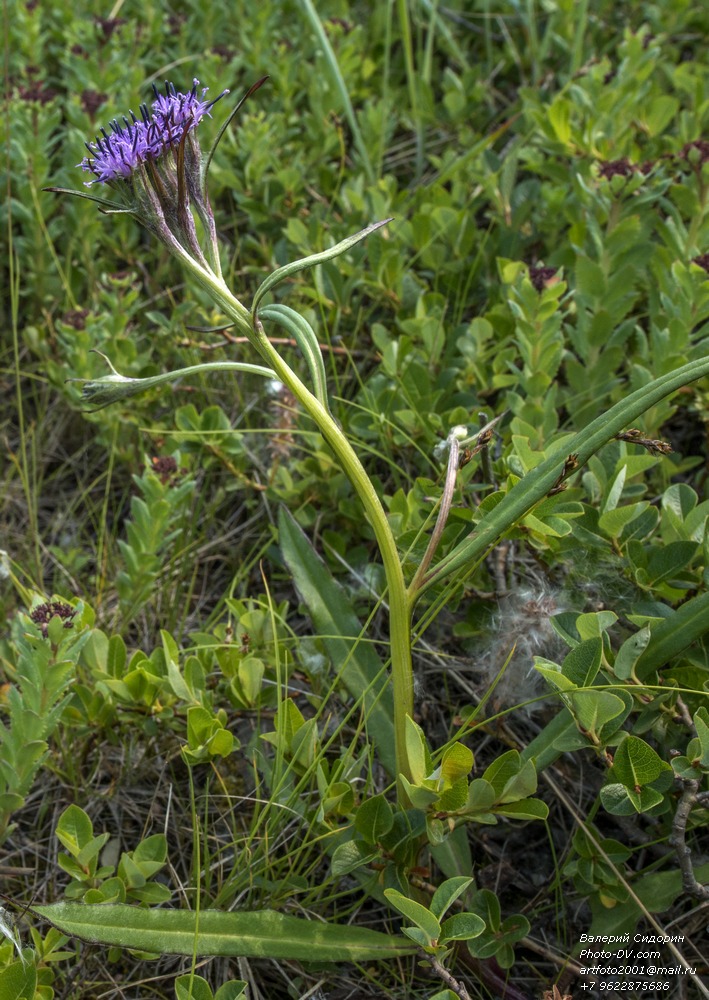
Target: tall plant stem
399,601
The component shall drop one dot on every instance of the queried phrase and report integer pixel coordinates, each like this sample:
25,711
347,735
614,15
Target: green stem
399,601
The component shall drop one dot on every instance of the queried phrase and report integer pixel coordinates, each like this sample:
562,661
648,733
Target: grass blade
339,82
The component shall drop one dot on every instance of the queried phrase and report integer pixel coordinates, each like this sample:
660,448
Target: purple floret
174,114
115,155
177,112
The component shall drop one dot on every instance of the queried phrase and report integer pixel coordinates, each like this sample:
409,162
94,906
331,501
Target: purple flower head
174,114
115,155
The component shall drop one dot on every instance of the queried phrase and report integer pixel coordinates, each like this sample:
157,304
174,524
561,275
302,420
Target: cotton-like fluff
520,630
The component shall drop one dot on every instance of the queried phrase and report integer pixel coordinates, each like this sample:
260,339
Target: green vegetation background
545,168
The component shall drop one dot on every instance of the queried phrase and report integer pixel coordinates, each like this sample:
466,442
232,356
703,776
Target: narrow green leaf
701,724
673,635
616,490
91,849
535,485
116,656
224,126
111,388
340,85
627,656
305,338
333,617
559,113
104,203
289,720
553,676
172,661
260,934
304,744
281,273
543,749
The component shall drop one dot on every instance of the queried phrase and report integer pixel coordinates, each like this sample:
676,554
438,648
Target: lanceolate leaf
104,203
281,273
361,670
263,934
668,638
110,388
537,483
305,338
